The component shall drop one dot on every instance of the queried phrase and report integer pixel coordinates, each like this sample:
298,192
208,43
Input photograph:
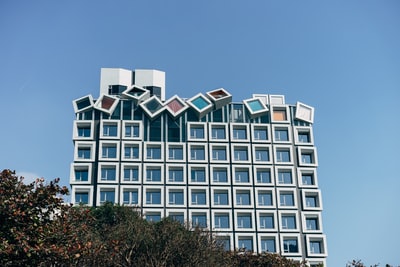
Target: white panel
114,76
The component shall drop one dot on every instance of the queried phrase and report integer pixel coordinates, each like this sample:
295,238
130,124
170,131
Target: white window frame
263,189
311,215
109,144
198,188
267,212
126,123
213,191
222,211
319,238
213,147
224,126
200,211
150,145
108,164
80,166
196,145
189,126
136,165
282,226
110,122
175,166
287,236
286,148
228,170
249,235
197,166
280,108
83,189
283,191
303,129
175,145
256,148
146,189
131,144
312,151
314,193
255,139
77,124
271,173
237,190
109,188
238,227
270,237
171,189
130,187
235,168
234,126
301,171
285,168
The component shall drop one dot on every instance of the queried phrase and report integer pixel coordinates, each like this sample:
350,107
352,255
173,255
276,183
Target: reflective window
283,155
199,220
286,199
108,173
219,153
221,197
268,245
218,132
281,134
289,222
267,221
261,154
260,134
107,196
131,173
244,220
243,197
198,175
110,130
220,175
175,174
81,197
197,153
246,243
130,197
175,153
264,198
198,197
175,197
197,131
109,151
153,152
221,220
290,245
285,176
263,176
242,175
84,131
153,217
312,224
81,175
132,130
153,174
131,152
153,196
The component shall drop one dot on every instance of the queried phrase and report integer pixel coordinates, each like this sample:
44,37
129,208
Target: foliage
38,229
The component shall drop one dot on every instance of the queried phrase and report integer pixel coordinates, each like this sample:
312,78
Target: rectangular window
221,220
153,217
199,220
198,175
260,134
315,247
312,224
224,242
281,134
130,197
82,198
290,245
198,197
283,155
306,158
286,199
285,176
107,196
307,178
131,152
279,115
239,133
219,153
153,152
175,153
304,137
220,175
262,154
81,175
175,174
84,152
131,174
263,176
109,151
197,153
176,216
245,243
218,132
153,174
196,132
175,197
243,198
264,198
153,197
311,201
244,220
242,175
108,173
237,113
240,153
267,221
110,130
221,197
84,131
268,245
132,130
288,222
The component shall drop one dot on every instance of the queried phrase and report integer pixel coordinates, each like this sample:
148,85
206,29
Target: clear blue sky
342,57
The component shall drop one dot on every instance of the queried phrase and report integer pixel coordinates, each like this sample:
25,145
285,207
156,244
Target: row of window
290,244
197,174
176,196
198,131
219,153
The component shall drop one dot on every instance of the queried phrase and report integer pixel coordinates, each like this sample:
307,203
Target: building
246,170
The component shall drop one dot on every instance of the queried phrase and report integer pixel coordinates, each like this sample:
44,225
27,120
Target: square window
107,195
241,175
266,221
84,152
219,153
240,153
199,220
221,197
110,130
197,153
82,198
245,243
196,131
244,220
198,197
109,151
153,152
288,222
260,134
175,153
130,197
307,179
286,199
263,176
283,155
175,174
218,132
264,198
312,223
153,197
175,197
279,114
132,130
285,176
84,130
221,220
239,133
153,174
177,216
290,245
243,197
81,175
220,175
108,173
224,242
281,134
131,173
198,175
153,216
262,154
131,152
268,245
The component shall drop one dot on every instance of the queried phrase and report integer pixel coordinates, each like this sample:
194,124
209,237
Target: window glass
286,199
246,244
81,175
263,176
290,246
84,131
239,133
288,222
244,221
307,178
107,196
220,175
221,220
306,158
110,130
267,221
131,174
198,175
198,197
268,245
153,174
281,134
260,134
218,132
130,196
177,217
225,243
282,155
285,176
153,197
81,197
304,137
220,197
312,224
262,154
131,152
153,152
176,197
132,130
311,201
175,153
109,151
315,247
153,217
175,175
264,198
240,153
108,173
197,153
199,220
243,198
196,132
242,175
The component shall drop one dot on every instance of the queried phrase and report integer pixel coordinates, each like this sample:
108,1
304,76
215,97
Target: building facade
247,170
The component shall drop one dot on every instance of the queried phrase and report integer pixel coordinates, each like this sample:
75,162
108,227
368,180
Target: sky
341,57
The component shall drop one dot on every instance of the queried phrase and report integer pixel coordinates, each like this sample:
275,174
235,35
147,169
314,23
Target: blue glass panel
255,105
200,103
